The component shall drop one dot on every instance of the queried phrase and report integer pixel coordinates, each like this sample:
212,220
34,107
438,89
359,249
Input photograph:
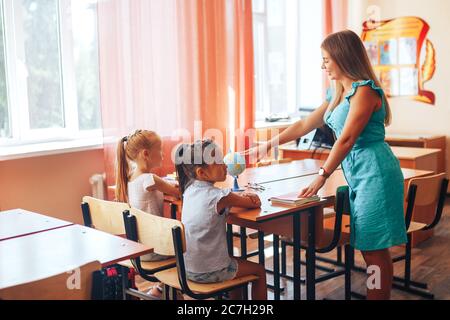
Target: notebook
292,200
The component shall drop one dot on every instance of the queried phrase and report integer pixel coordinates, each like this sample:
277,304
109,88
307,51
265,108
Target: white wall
409,116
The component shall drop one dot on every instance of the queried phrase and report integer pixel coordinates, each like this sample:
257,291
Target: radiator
98,185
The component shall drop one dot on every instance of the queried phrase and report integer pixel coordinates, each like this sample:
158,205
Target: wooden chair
427,192
54,287
176,278
107,216
104,215
329,220
153,231
328,239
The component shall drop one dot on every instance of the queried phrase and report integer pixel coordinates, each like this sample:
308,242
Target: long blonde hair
347,50
128,149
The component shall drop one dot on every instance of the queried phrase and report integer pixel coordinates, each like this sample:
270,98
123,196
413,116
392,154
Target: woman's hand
257,153
313,188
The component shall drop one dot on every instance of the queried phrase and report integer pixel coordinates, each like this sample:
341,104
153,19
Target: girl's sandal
153,297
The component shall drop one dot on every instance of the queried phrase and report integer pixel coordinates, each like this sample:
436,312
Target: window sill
49,148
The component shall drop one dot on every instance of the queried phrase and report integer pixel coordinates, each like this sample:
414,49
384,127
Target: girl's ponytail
122,172
183,178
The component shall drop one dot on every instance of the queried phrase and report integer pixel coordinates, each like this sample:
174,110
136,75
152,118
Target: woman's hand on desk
313,188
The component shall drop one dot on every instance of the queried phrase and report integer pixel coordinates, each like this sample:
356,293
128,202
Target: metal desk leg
276,266
311,256
261,255
243,236
296,255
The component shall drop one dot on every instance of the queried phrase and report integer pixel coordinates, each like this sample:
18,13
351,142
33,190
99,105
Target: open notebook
292,200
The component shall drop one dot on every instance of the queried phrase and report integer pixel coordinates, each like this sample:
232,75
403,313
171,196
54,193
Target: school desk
265,132
40,255
290,221
413,158
275,172
18,222
298,223
276,179
421,141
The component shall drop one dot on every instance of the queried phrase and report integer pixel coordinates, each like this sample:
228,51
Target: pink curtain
335,18
335,15
180,68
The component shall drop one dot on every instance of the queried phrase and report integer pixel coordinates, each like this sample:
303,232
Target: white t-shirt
139,197
148,201
205,228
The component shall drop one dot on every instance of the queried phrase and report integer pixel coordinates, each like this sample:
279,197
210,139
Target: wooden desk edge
127,257
34,232
244,214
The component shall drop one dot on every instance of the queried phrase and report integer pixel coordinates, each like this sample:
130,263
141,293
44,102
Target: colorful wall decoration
402,57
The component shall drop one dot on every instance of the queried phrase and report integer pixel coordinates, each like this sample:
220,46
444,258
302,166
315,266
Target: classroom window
49,73
84,27
38,48
4,107
287,35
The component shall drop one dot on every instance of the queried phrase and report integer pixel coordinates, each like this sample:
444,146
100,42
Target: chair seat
327,237
328,213
170,277
416,226
328,222
151,265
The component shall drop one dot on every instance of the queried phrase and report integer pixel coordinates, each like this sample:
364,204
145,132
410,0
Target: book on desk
292,200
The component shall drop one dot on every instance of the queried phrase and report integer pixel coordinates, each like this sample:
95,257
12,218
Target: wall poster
402,57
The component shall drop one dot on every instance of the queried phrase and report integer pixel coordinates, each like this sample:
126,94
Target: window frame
293,91
21,132
261,18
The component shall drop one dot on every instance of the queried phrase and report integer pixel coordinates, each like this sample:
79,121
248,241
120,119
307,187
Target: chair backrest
63,286
155,231
428,189
429,192
105,215
179,242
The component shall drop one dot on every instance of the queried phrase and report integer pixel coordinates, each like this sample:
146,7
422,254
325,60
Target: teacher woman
357,111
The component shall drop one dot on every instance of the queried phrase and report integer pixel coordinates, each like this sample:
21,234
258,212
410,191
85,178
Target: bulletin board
402,56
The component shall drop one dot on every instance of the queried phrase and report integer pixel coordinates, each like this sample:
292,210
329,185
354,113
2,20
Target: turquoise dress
375,179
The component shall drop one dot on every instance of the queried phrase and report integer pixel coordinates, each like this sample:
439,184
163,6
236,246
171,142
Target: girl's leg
382,259
259,288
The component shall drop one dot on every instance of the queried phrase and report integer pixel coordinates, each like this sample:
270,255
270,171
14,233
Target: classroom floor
430,264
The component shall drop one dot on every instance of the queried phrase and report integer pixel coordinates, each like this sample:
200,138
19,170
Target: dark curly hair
188,157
